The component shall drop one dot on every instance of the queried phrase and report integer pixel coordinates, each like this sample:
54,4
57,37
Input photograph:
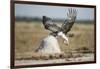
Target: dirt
86,57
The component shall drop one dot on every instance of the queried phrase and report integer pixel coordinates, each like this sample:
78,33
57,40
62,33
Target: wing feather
49,25
68,23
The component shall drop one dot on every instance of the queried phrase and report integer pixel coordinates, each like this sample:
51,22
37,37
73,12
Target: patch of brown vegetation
29,35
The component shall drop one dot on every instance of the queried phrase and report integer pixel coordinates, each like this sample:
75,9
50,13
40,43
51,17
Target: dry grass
29,35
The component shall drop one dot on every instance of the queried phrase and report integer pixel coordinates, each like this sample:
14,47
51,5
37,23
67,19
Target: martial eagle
65,27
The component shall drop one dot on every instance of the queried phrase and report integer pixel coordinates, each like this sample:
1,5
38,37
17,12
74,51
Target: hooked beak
66,42
64,37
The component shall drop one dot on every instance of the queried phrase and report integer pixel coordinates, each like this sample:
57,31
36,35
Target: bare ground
86,57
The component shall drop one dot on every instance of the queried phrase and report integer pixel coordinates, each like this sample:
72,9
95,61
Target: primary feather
68,23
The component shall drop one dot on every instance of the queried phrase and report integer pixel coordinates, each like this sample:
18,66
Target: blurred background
35,12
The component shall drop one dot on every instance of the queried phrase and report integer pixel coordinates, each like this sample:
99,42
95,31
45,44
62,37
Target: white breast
50,45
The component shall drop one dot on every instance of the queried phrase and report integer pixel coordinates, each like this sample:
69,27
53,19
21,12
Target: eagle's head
62,35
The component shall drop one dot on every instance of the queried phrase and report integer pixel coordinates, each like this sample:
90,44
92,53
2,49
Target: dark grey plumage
68,23
48,24
66,26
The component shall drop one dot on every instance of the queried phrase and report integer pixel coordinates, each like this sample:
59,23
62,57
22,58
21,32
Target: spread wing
49,25
68,23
